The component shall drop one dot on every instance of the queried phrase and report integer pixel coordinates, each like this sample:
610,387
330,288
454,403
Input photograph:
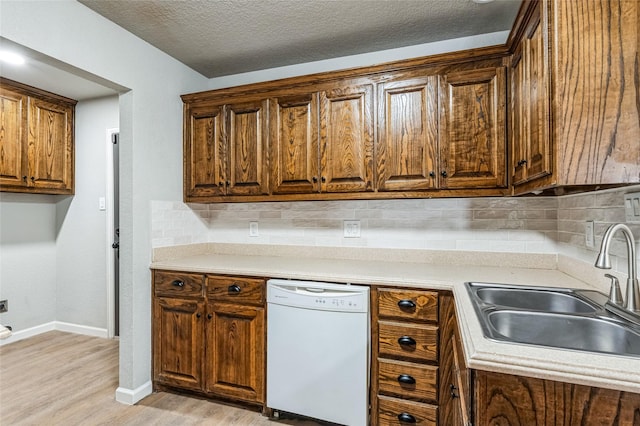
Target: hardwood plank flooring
59,378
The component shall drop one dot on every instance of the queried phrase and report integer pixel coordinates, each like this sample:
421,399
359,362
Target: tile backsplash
499,224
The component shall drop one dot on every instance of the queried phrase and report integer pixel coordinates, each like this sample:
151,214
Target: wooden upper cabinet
406,151
294,144
346,139
225,149
472,129
578,121
204,164
36,141
13,154
529,73
247,148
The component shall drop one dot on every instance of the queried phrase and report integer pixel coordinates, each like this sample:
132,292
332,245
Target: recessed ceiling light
482,1
11,58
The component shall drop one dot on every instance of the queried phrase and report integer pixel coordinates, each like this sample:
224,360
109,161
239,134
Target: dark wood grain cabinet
225,149
574,89
209,335
37,140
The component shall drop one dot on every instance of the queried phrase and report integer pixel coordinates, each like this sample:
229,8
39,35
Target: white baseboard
130,397
54,325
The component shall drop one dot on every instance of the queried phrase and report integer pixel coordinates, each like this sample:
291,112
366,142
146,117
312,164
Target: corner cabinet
209,335
37,140
574,90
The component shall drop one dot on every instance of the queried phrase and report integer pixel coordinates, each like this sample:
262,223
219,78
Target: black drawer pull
406,304
235,288
177,283
406,341
406,379
406,418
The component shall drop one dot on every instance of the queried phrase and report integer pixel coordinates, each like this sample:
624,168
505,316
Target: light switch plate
588,234
253,229
632,207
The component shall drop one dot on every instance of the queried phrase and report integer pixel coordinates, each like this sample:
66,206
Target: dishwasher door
318,350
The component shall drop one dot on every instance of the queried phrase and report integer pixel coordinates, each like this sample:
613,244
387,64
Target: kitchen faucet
632,303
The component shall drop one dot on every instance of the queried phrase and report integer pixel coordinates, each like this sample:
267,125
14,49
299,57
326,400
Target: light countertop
425,269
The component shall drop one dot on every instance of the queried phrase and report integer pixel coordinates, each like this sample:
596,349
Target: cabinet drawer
392,410
234,289
408,380
414,305
411,341
177,284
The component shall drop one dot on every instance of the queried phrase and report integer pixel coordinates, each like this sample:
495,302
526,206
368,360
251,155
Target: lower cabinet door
178,342
235,365
399,412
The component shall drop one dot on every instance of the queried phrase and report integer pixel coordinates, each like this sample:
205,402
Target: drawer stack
405,357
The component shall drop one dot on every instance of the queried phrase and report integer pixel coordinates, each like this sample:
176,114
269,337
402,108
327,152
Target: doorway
113,233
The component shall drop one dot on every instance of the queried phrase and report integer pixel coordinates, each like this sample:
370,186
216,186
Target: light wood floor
68,379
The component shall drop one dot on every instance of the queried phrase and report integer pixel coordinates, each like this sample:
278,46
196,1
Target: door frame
111,279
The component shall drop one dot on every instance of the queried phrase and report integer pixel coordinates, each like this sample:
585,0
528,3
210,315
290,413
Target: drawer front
234,289
410,341
408,380
177,284
396,412
413,305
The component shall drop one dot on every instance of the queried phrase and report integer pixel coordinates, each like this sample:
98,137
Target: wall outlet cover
351,229
253,229
589,238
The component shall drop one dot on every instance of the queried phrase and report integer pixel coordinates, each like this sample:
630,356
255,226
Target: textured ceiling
223,37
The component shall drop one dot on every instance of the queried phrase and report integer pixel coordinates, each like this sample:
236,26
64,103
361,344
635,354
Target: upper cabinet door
247,148
346,139
472,137
406,151
13,153
204,164
294,144
519,101
50,146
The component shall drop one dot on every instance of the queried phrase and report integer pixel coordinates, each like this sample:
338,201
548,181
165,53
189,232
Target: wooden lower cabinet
209,335
504,399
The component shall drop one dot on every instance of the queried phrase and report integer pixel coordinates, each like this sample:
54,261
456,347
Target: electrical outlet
351,229
588,234
253,229
4,305
632,207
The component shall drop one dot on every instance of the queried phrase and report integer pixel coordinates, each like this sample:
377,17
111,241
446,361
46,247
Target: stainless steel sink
554,317
536,300
565,331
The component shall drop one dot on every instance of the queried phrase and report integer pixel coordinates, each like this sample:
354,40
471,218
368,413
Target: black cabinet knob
323,179
406,418
406,304
406,379
432,174
453,390
443,173
24,178
406,341
234,288
314,179
178,283
198,315
209,316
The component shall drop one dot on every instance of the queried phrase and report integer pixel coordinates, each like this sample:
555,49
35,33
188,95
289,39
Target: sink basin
536,300
564,331
555,317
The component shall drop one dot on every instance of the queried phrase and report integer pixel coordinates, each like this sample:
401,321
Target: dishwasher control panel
314,295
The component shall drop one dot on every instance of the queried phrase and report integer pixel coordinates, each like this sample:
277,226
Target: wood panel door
294,144
50,146
406,152
247,148
13,152
473,129
346,139
519,114
236,351
178,342
204,153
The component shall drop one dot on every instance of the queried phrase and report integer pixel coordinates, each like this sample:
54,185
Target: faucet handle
615,295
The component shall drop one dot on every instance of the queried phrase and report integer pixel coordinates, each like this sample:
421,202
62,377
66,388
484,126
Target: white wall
150,137
28,259
82,244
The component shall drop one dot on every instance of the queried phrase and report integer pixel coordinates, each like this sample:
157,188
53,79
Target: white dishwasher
318,350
